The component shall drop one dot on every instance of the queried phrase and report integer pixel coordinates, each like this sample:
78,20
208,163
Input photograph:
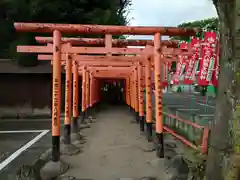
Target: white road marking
24,131
22,149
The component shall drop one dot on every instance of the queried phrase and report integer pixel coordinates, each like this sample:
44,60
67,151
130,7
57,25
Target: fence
188,129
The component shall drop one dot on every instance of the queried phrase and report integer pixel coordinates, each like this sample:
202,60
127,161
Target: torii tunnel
110,72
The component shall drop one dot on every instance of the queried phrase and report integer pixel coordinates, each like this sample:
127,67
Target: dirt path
114,150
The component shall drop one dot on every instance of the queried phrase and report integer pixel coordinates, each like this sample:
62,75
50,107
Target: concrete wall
29,95
25,94
27,91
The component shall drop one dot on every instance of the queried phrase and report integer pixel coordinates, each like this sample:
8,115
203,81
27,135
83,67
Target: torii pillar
87,93
56,91
75,126
84,88
148,99
136,94
158,96
141,97
68,148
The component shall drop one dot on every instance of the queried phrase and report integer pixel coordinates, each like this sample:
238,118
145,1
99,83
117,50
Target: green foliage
210,24
107,12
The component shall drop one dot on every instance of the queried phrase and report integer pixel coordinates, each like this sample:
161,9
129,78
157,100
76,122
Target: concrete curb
43,159
33,171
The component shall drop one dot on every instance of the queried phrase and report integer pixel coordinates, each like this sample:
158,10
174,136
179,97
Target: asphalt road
17,133
22,141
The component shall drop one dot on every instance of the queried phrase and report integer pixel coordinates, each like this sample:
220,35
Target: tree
108,12
210,24
223,157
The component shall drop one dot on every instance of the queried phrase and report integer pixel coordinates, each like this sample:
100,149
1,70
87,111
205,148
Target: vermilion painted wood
104,29
101,50
101,42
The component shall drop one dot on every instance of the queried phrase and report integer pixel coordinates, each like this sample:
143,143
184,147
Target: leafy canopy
210,24
106,12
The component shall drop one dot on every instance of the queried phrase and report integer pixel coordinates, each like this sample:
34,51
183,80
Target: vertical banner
208,58
217,64
192,65
181,65
195,70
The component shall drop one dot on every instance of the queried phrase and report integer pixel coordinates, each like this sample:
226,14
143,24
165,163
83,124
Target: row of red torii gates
116,61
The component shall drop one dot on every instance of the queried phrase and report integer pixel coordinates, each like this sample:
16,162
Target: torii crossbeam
101,42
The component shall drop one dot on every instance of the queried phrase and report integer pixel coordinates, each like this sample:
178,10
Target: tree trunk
224,143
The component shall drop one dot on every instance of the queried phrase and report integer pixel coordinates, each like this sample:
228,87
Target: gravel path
114,150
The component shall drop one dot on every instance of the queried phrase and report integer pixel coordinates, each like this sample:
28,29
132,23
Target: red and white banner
181,65
216,65
208,59
192,62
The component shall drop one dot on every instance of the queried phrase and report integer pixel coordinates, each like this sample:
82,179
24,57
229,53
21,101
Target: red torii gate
98,29
104,29
101,42
86,50
99,50
48,48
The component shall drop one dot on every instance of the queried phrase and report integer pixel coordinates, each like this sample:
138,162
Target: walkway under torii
93,68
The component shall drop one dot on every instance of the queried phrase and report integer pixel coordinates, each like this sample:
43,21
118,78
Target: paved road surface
12,141
14,136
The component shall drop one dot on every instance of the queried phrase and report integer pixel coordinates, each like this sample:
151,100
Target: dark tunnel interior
112,91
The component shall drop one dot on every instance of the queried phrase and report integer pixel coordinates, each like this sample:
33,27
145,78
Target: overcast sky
169,12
